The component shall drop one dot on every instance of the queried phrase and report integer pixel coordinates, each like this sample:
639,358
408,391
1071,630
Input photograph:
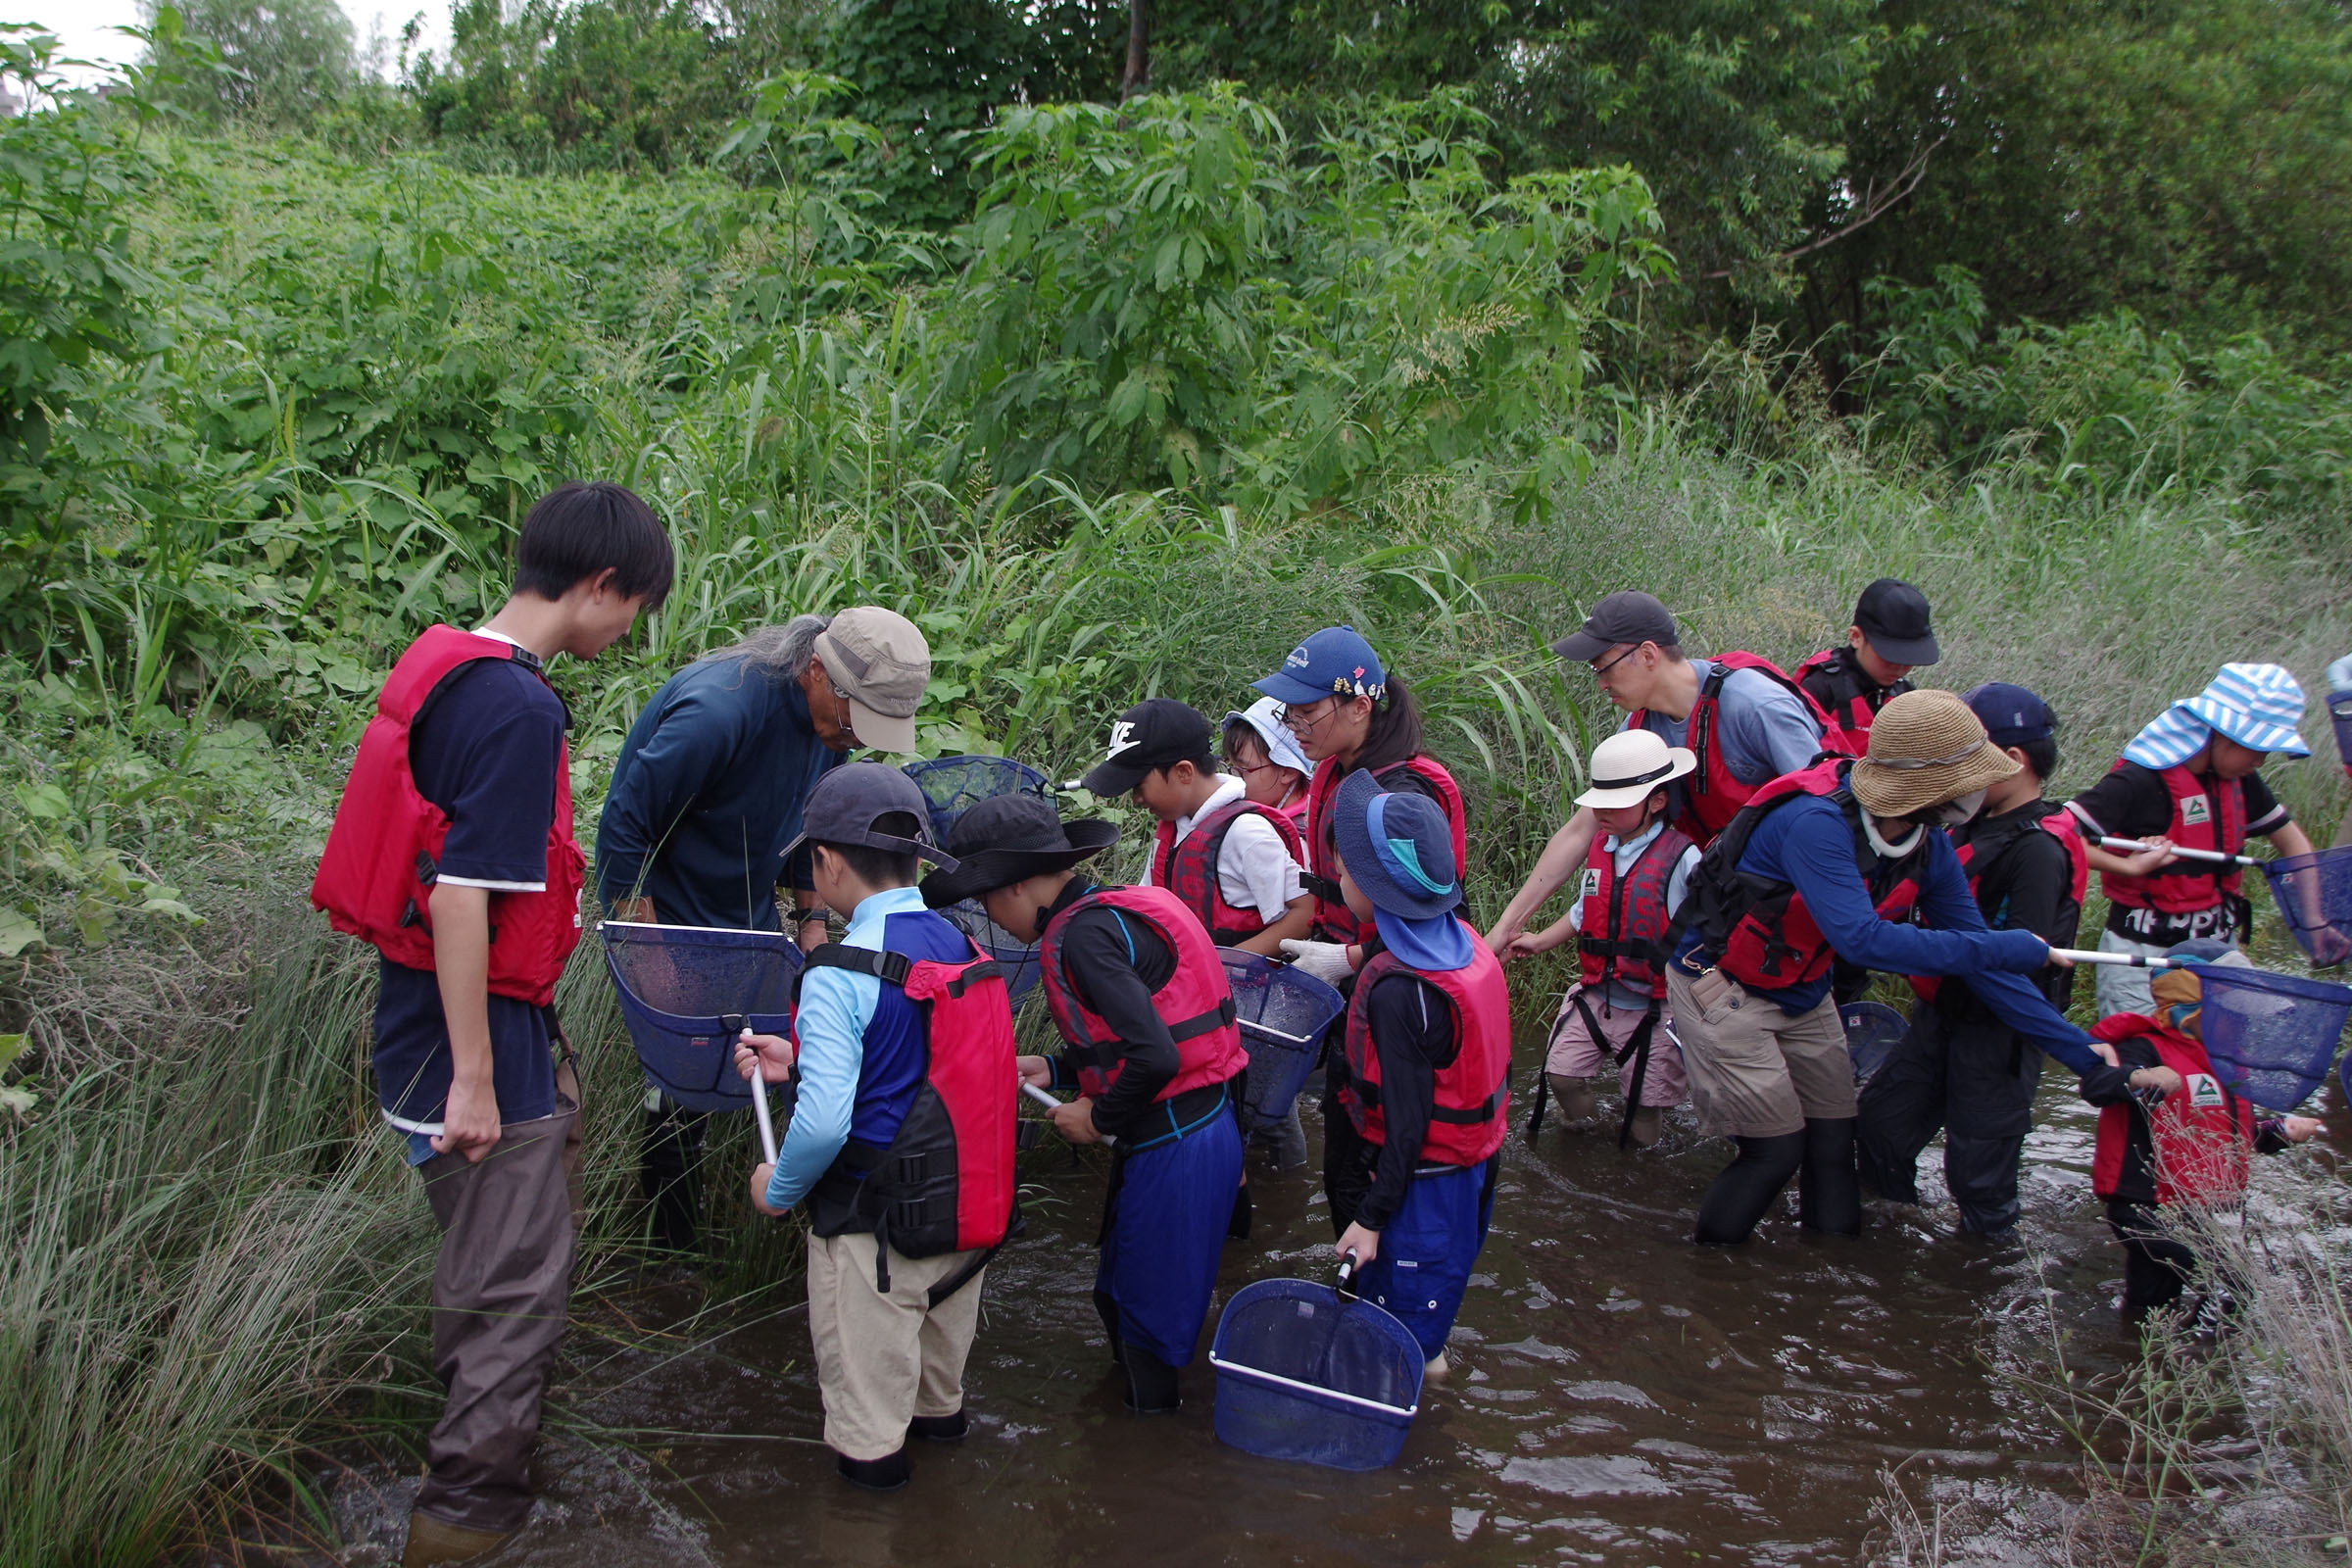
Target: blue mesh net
1872,1030
953,786
2270,1037
1283,1014
677,983
1304,1374
2314,893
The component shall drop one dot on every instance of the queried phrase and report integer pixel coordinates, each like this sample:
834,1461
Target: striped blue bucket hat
2257,706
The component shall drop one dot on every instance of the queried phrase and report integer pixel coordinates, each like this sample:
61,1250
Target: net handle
2119,960
1051,1104
738,1026
2134,847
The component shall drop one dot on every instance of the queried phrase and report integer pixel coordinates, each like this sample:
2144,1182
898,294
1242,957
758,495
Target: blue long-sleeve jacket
1808,844
706,792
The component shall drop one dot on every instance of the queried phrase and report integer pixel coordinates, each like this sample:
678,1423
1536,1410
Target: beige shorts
1575,1053
1755,1071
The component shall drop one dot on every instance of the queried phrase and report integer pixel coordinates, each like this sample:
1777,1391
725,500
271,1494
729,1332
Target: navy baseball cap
1334,662
850,798
2011,715
1398,848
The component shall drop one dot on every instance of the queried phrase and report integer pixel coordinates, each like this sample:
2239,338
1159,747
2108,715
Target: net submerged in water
677,986
1306,1373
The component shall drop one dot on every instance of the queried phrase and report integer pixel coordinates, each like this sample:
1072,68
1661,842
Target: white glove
2339,675
1327,961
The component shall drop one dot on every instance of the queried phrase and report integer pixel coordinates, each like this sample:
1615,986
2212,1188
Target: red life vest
1711,797
1470,1111
2203,819
2062,825
1851,702
1628,913
1759,930
1197,1002
375,879
1189,868
2202,1138
946,1182
1334,921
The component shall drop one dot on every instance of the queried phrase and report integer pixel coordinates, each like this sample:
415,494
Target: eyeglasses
847,718
1246,769
1293,717
1601,671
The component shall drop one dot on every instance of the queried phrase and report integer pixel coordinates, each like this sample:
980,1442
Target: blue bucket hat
2257,706
1334,662
1399,849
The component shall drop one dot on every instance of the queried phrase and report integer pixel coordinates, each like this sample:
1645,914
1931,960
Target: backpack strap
896,968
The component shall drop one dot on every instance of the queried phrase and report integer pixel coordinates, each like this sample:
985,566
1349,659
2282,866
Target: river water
1617,1394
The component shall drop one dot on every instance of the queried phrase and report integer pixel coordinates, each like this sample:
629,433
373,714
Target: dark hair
1237,730
881,868
1396,732
577,530
1204,764
2041,756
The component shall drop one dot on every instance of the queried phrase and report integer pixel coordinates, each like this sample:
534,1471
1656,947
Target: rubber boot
1829,1196
669,1174
939,1428
1151,1384
433,1541
1648,1127
1575,1098
1746,1187
1109,1311
885,1474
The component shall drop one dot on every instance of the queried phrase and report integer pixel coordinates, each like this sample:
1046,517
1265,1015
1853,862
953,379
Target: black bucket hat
1008,838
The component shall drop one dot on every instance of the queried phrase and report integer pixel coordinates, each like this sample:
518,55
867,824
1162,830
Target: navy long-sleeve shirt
706,792
1809,843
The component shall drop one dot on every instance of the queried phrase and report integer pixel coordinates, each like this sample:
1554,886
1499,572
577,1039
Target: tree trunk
1139,49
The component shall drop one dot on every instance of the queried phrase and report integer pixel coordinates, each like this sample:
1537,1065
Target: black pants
1970,1077
669,1173
2157,1268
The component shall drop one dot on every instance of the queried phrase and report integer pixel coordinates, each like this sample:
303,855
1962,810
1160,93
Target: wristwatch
800,917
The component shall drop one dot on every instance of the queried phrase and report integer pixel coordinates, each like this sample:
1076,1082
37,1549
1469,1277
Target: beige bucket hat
881,664
1926,748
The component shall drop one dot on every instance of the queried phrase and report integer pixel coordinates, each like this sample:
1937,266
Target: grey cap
849,799
1630,616
878,657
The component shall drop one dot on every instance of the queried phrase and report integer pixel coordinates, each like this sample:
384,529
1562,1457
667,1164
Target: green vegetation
1113,402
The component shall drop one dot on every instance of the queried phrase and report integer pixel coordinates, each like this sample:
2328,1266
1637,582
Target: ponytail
1396,730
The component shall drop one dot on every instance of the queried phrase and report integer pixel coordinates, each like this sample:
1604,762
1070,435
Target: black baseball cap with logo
1894,618
1153,734
1631,617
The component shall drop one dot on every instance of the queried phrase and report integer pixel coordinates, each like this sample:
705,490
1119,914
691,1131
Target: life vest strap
1220,1017
895,968
1471,1118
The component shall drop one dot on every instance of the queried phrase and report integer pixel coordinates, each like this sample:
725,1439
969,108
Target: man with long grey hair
707,792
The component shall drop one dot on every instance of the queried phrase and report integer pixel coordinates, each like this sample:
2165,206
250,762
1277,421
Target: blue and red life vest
1196,1004
1470,1109
382,855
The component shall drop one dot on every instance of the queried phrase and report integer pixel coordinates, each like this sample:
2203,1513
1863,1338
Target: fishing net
1306,1373
679,984
2314,893
953,786
2270,1037
1872,1030
1283,1013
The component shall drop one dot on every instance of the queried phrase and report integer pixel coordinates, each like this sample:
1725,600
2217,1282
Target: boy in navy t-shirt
461,869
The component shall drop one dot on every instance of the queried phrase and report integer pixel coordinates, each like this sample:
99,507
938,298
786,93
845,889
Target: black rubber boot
1981,1173
1109,1311
1151,1384
1828,1198
939,1428
1728,1215
885,1474
669,1174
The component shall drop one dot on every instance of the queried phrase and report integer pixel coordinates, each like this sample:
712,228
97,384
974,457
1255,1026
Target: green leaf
17,933
11,1047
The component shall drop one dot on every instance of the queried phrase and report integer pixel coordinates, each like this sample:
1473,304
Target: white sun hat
1630,763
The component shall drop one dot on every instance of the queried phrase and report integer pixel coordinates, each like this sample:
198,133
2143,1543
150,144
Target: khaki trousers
884,1359
1755,1071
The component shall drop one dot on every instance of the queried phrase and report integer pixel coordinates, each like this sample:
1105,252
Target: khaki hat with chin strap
1926,748
881,664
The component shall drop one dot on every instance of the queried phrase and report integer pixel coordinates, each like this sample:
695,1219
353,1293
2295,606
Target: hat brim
1901,791
1115,779
1288,688
878,731
1681,763
1912,650
921,852
2255,736
985,870
1581,646
1351,830
1282,747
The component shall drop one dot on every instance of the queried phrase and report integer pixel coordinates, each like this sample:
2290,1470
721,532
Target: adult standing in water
1744,720
707,792
1348,713
1834,862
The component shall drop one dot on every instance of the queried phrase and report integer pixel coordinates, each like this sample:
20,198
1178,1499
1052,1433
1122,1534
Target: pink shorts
1575,1053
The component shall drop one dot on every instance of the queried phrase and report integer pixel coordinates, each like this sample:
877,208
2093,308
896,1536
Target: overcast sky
86,25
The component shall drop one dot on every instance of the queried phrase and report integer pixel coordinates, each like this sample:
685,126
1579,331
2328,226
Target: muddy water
1617,1394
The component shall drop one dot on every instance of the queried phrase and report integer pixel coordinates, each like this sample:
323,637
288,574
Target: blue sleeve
1817,856
835,1005
1768,720
690,743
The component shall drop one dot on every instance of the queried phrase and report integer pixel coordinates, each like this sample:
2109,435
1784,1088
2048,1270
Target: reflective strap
1209,1022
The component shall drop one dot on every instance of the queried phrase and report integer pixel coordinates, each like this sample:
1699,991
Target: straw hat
1926,748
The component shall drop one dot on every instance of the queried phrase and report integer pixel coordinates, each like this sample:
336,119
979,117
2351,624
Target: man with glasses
1747,723
708,791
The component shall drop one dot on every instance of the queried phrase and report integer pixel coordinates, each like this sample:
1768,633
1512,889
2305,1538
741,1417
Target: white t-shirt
1254,869
1623,853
